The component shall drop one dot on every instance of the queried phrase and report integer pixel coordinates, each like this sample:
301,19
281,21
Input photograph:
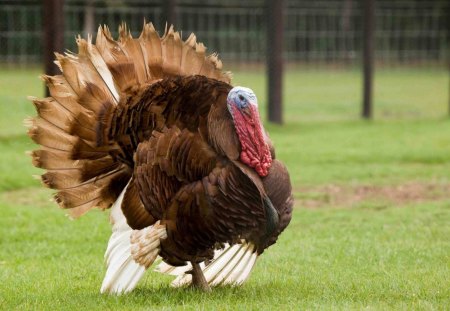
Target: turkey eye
241,97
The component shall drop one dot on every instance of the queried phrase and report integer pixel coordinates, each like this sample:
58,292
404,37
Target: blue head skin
241,97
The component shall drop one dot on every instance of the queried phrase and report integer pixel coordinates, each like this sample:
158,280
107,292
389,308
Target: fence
408,31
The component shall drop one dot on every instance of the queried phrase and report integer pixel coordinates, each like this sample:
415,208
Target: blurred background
323,32
322,40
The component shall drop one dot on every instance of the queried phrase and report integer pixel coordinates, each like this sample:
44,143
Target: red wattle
255,151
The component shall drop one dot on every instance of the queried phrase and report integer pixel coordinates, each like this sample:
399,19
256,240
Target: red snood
255,151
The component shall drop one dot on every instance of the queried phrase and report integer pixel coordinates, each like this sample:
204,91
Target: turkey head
243,106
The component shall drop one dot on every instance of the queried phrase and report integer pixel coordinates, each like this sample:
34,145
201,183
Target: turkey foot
198,279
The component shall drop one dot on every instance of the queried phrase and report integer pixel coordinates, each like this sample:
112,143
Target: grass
373,254
329,258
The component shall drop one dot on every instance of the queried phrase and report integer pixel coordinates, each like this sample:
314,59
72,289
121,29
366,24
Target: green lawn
375,253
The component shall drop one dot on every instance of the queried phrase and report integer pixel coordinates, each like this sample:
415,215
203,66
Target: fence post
275,24
53,17
368,56
89,19
169,12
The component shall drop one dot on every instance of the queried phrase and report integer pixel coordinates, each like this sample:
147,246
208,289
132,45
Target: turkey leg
198,279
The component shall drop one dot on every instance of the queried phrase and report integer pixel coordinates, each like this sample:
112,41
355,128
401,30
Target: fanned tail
85,163
85,175
230,266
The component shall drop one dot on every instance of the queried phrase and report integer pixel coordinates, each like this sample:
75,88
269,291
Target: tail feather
129,252
51,159
190,64
227,265
238,269
132,50
63,95
88,52
73,72
247,269
121,67
53,113
49,135
232,265
173,270
151,50
79,71
123,273
171,51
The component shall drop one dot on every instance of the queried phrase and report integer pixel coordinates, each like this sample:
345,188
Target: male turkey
152,128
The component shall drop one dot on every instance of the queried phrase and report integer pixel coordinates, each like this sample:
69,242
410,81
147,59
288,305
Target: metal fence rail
408,31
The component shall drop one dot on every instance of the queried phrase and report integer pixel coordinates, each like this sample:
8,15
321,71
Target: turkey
151,128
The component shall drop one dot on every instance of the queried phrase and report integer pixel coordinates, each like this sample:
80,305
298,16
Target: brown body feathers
150,114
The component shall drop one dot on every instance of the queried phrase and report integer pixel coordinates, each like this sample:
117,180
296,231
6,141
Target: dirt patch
348,195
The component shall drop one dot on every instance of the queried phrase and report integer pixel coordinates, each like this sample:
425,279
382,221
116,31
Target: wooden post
368,56
169,12
275,18
89,19
53,17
